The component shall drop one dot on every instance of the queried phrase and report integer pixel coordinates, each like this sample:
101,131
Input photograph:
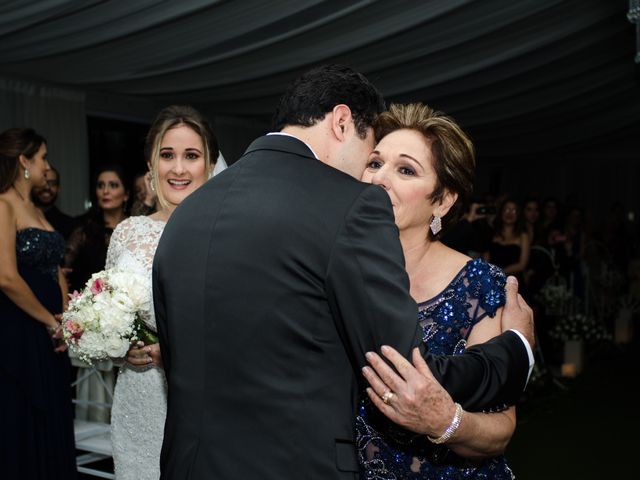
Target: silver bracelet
451,429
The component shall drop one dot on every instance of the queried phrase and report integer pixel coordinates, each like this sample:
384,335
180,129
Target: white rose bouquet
103,320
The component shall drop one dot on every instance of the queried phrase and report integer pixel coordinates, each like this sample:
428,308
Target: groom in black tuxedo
270,284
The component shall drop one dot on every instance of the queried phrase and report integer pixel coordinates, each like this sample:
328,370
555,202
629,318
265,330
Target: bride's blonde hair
171,117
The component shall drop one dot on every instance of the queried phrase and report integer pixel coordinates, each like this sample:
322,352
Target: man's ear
341,121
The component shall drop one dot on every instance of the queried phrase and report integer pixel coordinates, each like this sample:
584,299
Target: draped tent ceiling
525,77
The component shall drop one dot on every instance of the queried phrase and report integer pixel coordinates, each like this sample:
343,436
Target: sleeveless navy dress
388,452
36,416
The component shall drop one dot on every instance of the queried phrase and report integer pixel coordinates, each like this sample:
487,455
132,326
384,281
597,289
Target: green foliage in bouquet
144,333
579,326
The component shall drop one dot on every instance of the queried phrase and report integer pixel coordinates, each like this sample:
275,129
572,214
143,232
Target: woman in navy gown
426,164
35,397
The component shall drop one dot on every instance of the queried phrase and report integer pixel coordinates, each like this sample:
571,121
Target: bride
181,150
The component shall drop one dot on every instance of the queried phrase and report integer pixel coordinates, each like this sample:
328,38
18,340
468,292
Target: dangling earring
151,182
436,225
26,174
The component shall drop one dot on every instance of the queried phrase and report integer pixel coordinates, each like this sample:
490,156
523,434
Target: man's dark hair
314,94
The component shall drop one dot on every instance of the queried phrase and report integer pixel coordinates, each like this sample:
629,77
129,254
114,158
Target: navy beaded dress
388,452
36,416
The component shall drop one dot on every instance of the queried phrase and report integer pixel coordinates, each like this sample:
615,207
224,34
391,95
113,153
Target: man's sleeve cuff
529,352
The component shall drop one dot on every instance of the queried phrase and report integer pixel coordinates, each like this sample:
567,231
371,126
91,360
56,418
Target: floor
589,430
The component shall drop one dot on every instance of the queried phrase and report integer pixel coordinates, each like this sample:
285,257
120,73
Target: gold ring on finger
387,396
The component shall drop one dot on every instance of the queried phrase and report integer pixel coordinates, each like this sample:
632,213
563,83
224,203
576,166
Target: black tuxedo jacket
270,284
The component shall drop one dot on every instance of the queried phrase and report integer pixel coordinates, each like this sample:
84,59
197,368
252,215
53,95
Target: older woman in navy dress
35,400
426,164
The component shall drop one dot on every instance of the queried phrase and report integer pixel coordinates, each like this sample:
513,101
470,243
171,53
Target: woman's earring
151,182
26,174
436,225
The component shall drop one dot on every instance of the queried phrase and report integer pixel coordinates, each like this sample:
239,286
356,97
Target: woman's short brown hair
453,153
171,117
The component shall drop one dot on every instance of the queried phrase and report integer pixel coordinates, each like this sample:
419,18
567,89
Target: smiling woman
180,150
181,167
180,147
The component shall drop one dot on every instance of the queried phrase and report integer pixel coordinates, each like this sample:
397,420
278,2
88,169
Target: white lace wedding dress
140,396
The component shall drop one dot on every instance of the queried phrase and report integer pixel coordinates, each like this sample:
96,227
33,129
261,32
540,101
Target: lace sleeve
117,243
486,290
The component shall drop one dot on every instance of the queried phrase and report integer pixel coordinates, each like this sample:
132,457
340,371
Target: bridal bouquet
103,320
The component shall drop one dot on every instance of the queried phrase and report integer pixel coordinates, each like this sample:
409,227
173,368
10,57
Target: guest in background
36,415
86,255
575,241
144,198
87,246
541,264
139,187
531,216
617,237
551,222
510,246
45,199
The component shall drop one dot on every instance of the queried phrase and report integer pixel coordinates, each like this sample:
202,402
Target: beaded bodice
446,320
132,247
387,452
40,249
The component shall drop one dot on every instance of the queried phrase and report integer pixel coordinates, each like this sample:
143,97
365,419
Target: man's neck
310,136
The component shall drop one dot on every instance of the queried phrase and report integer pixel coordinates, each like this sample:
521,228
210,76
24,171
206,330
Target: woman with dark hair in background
510,247
531,216
144,198
36,418
86,254
551,222
87,246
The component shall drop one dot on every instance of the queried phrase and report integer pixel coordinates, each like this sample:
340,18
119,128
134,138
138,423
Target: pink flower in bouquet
74,329
97,287
75,294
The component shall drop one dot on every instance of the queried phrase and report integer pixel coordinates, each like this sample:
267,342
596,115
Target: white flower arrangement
555,296
579,326
103,320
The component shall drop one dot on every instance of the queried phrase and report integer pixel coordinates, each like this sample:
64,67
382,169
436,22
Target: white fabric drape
59,115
